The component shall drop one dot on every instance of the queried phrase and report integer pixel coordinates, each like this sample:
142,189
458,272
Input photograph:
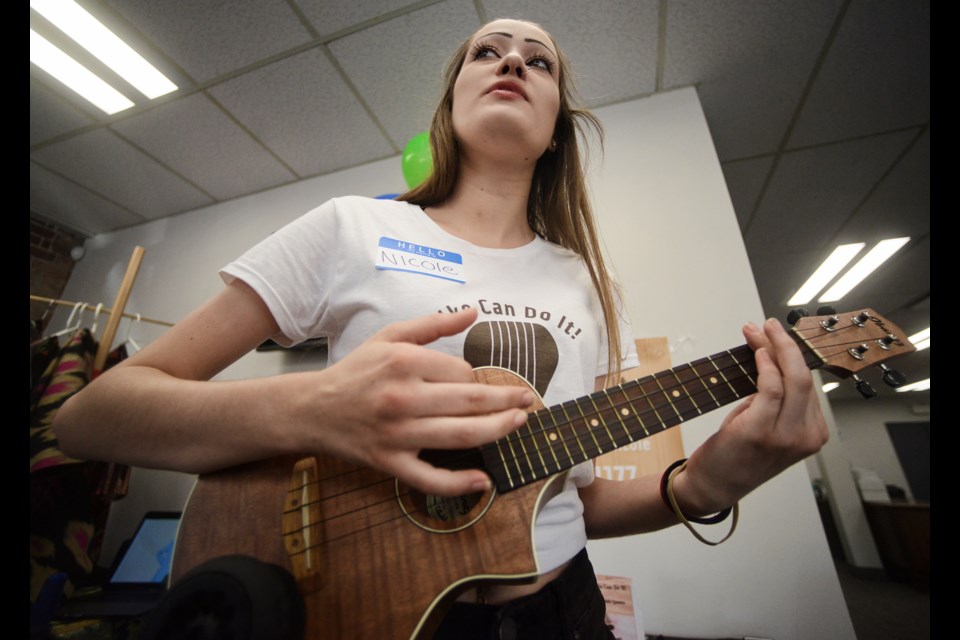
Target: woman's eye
484,51
540,62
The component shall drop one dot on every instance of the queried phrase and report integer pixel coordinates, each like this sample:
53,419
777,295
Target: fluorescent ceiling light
923,385
76,76
825,272
867,264
101,42
830,386
921,339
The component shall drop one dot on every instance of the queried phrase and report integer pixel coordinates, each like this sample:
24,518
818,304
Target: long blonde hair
558,208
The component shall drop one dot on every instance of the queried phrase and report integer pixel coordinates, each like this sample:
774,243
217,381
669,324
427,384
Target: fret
736,376
636,414
691,397
617,413
601,420
546,439
558,435
647,394
536,447
701,378
573,430
682,401
506,467
667,396
710,359
748,375
526,455
749,367
590,424
516,460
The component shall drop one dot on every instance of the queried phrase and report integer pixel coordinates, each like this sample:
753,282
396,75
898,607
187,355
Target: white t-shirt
353,265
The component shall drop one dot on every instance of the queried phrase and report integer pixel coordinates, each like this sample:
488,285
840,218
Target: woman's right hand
392,397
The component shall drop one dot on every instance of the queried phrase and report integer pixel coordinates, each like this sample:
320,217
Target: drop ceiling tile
111,167
777,278
876,76
196,139
750,62
611,44
745,180
51,115
396,65
905,275
301,109
329,17
900,206
68,204
813,192
209,38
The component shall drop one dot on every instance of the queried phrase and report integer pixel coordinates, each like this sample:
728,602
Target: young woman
475,267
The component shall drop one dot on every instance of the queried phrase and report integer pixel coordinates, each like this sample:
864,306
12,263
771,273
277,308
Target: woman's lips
508,89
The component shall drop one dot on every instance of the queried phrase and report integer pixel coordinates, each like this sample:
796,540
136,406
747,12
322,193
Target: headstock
846,343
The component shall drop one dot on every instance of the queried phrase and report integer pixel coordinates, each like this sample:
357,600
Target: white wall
672,236
862,427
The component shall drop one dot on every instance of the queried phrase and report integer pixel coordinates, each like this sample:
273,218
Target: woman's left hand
769,431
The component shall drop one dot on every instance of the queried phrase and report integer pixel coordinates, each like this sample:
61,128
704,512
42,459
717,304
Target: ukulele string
655,403
391,497
612,406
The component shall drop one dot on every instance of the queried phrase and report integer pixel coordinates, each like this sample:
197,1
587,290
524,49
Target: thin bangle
677,468
714,519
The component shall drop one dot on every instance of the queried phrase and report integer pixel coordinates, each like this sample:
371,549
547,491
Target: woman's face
507,93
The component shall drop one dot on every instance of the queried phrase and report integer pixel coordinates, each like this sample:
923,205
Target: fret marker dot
594,423
676,394
624,412
553,436
713,381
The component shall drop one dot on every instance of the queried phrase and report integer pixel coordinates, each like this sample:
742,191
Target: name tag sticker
398,255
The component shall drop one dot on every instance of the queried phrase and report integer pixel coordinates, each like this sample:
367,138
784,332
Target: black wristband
665,478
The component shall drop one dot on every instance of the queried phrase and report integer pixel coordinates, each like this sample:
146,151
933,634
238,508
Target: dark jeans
569,608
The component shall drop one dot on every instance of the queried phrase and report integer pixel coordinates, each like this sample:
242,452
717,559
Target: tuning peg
794,316
865,388
893,377
826,310
829,323
858,351
886,341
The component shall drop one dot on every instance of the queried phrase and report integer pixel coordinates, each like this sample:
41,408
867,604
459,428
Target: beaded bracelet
666,492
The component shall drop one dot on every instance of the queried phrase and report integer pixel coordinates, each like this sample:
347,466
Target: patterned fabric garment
69,498
43,351
62,378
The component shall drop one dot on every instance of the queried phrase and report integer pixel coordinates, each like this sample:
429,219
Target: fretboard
557,438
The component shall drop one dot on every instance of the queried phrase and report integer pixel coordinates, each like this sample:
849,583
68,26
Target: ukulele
373,558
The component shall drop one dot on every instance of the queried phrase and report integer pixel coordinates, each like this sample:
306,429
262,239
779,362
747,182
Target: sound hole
439,513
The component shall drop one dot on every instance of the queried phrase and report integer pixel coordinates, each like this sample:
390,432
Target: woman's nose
512,63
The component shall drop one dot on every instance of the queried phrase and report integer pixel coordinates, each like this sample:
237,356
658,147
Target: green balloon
417,161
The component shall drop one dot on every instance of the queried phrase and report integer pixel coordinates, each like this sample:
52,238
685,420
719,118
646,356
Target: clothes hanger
72,328
128,339
96,320
38,327
42,322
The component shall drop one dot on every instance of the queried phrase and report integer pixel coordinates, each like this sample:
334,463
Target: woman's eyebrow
510,35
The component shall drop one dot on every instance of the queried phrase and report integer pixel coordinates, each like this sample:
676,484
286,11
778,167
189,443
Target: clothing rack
125,314
117,312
